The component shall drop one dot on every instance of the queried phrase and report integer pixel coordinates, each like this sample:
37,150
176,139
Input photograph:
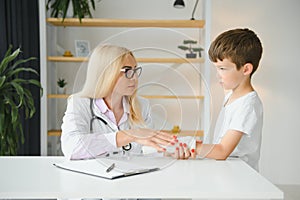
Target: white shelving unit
48,57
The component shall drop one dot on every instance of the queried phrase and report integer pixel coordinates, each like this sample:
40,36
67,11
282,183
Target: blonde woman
107,115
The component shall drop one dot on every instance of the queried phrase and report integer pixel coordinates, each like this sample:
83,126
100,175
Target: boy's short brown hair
240,46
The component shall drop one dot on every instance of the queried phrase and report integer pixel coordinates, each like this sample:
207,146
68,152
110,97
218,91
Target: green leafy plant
13,98
191,49
61,82
81,8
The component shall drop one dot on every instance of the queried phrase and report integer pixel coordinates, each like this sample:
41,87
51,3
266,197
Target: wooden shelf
142,60
93,22
171,97
65,96
58,96
196,133
54,133
66,59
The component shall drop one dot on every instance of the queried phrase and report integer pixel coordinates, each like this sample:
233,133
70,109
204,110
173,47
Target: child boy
236,55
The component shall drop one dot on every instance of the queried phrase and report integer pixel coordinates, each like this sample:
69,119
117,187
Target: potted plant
61,86
80,8
191,49
13,98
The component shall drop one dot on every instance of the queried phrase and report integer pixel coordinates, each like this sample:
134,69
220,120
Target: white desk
36,177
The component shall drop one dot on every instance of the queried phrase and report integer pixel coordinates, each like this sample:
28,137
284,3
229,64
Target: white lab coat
78,142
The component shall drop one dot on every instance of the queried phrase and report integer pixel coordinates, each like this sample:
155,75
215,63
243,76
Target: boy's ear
248,68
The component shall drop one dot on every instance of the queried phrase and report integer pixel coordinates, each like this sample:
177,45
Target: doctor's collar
100,103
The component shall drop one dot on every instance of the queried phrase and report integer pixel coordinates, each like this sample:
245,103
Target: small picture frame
82,48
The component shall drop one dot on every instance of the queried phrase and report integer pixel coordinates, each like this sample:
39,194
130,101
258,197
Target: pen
110,168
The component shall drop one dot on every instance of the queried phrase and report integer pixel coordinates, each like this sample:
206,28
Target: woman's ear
248,68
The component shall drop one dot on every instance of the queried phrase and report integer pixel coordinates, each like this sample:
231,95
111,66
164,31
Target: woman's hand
184,152
149,137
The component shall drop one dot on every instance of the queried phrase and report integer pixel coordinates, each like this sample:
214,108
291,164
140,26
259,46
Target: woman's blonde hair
103,71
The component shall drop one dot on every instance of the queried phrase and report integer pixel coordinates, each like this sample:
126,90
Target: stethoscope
126,147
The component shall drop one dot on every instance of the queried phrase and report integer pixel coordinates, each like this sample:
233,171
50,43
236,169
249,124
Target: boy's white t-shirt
245,114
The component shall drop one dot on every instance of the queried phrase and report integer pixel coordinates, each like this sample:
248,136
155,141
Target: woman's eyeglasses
129,72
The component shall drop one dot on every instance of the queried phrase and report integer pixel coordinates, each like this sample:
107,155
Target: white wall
277,24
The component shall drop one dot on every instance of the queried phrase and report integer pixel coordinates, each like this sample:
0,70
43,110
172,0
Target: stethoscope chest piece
127,147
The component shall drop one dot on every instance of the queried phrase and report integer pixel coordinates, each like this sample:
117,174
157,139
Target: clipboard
98,167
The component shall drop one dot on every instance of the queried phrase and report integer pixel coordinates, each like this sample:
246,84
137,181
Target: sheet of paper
123,166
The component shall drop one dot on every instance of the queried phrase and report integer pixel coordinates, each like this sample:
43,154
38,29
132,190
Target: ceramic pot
61,90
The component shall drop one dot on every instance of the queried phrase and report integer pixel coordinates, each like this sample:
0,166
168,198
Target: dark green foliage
81,8
61,82
13,98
